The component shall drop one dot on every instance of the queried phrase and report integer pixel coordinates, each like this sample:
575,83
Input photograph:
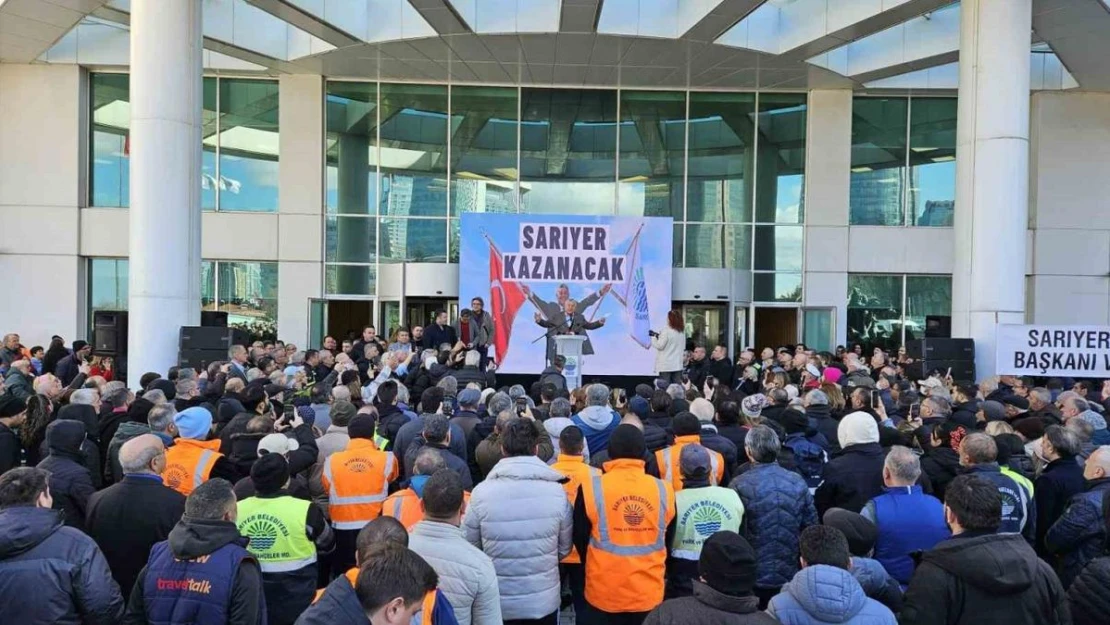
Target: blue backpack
809,458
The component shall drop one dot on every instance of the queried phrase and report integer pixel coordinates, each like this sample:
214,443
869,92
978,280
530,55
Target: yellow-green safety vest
700,513
276,527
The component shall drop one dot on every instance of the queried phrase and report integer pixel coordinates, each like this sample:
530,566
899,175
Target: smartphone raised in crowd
876,400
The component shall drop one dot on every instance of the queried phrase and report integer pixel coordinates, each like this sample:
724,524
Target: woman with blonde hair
836,398
994,428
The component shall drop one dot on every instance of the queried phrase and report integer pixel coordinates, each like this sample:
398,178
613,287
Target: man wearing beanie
655,437
356,482
621,520
872,577
286,533
700,510
70,482
194,459
722,590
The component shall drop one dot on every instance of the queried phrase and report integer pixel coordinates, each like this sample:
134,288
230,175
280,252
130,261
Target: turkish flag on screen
506,298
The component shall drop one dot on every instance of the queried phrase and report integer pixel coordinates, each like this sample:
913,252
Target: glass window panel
932,160
248,137
677,244
483,150
781,158
350,280
110,103
350,239
414,240
777,287
108,288
248,292
718,246
568,151
351,152
652,150
720,161
818,329
413,135
875,311
778,248
209,183
926,296
878,161
207,285
453,244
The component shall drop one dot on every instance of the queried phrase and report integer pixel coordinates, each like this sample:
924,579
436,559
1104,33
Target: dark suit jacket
578,325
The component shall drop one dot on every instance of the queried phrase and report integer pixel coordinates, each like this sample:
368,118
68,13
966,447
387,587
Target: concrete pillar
165,180
992,172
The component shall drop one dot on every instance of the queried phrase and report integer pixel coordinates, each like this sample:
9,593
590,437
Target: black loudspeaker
941,349
199,359
938,326
110,333
213,318
962,370
212,339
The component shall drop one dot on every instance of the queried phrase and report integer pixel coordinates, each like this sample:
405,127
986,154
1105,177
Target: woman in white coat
669,343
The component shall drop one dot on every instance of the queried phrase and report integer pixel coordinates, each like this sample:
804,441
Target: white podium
569,346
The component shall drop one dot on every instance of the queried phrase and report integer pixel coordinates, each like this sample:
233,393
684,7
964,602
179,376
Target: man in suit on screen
568,321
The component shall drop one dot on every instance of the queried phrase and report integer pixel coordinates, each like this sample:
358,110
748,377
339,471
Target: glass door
739,329
817,328
389,318
317,322
706,325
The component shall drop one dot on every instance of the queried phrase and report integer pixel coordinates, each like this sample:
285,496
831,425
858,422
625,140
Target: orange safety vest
357,482
189,462
404,506
426,607
669,469
577,471
629,512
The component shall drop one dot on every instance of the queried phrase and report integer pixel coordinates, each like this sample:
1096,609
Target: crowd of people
392,480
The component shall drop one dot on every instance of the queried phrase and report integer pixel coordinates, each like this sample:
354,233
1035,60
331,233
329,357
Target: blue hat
193,422
639,406
469,397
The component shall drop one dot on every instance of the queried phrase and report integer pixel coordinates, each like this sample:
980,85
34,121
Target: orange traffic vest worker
404,505
573,465
621,522
192,460
357,482
687,430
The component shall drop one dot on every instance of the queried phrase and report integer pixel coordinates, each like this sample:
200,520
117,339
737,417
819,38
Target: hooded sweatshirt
597,424
554,427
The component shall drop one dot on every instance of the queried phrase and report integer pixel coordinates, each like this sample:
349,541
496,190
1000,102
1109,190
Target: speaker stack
201,345
931,354
109,338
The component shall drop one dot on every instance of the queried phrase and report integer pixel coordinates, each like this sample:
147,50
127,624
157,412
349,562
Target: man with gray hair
1041,406
597,420
116,400
1061,479
979,455
436,436
820,417
777,507
128,518
155,396
1080,533
237,357
404,505
471,373
908,520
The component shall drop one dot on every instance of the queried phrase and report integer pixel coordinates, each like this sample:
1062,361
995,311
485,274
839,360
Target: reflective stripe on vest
702,512
607,545
397,507
668,460
276,527
335,500
199,474
428,608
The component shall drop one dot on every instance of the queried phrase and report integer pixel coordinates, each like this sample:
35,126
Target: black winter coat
1089,594
71,484
988,579
711,439
851,479
656,438
709,607
820,419
127,519
737,434
51,574
1052,491
9,449
942,465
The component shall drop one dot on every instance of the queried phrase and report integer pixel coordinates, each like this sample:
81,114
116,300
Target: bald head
143,454
1098,464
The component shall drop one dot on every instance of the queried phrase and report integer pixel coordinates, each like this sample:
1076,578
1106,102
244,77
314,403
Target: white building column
992,172
166,74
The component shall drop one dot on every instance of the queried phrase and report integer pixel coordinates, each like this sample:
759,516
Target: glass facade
239,165
247,291
727,167
903,161
888,310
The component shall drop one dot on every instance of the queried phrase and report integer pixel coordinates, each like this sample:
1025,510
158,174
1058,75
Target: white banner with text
1040,350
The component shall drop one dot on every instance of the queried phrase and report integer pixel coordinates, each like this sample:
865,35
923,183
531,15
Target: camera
653,333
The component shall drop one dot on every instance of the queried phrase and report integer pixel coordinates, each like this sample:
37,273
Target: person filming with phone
668,344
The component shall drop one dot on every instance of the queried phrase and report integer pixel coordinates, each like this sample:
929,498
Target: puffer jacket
51,574
777,507
877,583
19,385
1080,533
823,594
519,516
1089,594
71,484
466,575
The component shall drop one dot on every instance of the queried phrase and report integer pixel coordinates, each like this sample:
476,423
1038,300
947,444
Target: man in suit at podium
569,321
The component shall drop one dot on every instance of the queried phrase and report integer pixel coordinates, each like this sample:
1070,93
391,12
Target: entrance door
421,311
706,325
775,327
347,318
389,318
